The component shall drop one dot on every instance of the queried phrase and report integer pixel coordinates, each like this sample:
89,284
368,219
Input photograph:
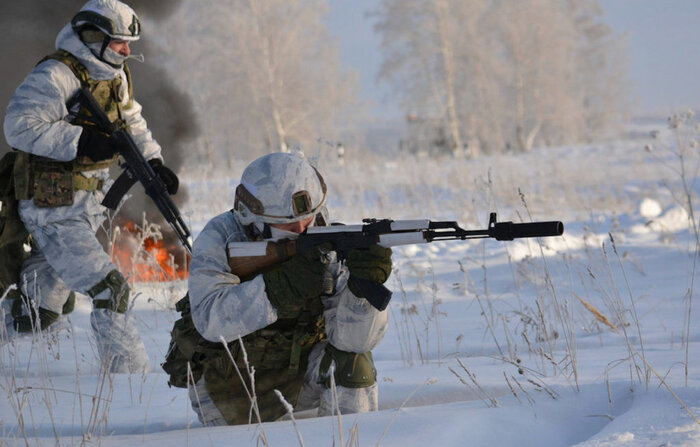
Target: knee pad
33,318
69,305
111,293
27,323
352,370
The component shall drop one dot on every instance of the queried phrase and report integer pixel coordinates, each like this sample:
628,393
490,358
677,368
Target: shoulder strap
74,64
127,72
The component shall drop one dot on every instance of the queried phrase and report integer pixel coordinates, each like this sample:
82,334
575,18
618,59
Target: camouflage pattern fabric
228,393
317,394
204,407
13,234
272,180
223,306
306,394
66,257
54,182
118,342
53,188
38,123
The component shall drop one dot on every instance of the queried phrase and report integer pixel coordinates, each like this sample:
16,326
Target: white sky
663,40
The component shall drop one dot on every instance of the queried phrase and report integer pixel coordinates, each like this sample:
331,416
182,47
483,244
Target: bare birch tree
265,74
422,41
497,74
601,69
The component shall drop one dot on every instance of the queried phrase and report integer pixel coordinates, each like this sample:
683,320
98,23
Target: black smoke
29,32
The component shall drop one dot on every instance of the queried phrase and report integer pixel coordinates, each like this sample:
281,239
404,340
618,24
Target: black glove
297,280
373,264
96,145
172,183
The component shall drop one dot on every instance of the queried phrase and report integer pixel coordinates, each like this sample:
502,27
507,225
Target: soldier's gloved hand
298,279
96,145
172,183
373,264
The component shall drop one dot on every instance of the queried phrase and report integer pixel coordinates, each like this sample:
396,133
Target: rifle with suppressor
247,259
136,169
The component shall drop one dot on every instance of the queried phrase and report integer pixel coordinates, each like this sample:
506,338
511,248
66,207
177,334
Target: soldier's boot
355,380
37,318
118,341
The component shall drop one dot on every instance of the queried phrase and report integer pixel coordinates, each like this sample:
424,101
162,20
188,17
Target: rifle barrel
507,231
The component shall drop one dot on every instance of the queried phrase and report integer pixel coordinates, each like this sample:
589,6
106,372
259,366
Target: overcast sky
663,39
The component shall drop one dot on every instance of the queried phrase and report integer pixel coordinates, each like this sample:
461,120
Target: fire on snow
143,255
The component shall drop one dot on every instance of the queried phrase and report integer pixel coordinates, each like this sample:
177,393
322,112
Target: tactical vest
51,182
279,354
285,344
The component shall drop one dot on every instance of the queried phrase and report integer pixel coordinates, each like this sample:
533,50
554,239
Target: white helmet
279,188
114,18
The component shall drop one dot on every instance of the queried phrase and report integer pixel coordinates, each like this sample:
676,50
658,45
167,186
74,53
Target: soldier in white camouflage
298,321
60,169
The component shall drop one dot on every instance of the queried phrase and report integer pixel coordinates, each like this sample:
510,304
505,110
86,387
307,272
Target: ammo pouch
50,182
183,349
284,345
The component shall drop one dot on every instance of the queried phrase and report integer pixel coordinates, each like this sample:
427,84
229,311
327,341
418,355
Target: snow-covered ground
580,340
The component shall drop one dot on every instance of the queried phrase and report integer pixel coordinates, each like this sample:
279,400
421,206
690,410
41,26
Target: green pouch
53,187
22,176
13,234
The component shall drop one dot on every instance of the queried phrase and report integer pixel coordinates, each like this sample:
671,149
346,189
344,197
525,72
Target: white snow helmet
114,18
279,188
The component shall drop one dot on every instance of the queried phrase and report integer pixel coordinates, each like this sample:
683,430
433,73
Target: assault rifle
136,168
249,258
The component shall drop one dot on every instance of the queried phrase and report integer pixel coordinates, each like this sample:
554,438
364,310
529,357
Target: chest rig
282,346
51,182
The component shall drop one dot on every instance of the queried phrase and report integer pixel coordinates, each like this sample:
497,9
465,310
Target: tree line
484,76
473,76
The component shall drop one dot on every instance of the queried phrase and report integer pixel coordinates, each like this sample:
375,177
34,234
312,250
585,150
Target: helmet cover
114,18
279,188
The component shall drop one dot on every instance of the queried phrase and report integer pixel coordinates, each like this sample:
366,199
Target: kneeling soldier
300,322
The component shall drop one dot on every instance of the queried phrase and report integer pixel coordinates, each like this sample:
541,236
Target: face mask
110,56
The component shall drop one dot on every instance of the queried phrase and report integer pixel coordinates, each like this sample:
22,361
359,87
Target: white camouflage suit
69,256
222,306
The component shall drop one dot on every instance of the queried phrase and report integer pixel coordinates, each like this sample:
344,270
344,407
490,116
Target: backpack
13,234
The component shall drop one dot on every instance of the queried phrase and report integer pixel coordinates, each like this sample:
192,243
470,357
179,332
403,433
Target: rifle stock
246,265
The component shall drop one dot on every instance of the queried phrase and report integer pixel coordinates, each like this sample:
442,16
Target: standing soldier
301,323
60,168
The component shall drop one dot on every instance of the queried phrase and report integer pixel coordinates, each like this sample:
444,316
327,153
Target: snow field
490,343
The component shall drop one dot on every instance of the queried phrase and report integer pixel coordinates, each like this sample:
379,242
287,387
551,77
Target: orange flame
147,259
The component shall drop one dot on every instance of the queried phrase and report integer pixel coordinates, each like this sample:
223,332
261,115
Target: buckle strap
118,296
86,183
